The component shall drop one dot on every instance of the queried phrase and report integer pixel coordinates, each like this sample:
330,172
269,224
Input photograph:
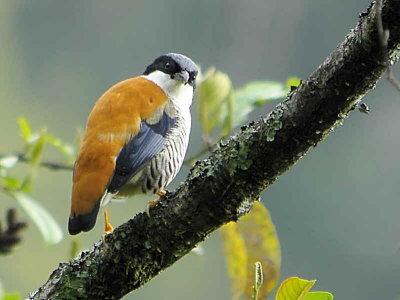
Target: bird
135,139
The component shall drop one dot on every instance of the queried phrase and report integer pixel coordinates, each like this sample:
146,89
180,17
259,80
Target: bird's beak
182,76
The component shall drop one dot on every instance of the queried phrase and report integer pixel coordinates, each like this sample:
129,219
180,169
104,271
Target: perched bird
136,138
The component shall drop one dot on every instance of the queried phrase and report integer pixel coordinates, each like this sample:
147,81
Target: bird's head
173,66
176,75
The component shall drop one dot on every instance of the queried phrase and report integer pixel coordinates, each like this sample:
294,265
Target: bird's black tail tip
83,222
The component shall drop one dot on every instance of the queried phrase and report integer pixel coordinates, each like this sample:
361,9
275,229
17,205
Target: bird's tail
87,192
84,222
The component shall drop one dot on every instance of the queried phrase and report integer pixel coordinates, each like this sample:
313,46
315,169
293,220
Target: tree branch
222,188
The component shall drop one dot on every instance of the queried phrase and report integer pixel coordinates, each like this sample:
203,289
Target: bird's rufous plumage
114,120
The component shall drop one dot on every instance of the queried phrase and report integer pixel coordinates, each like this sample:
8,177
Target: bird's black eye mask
164,64
172,64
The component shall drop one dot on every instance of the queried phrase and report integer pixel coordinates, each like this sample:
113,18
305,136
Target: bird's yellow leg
153,203
161,193
108,228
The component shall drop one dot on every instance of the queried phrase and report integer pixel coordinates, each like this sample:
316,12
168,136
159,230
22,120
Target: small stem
392,79
383,41
43,164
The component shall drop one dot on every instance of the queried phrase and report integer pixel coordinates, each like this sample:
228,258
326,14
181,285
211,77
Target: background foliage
336,212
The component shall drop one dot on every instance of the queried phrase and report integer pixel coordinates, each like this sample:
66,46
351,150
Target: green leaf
65,149
35,151
11,183
260,91
318,296
27,183
229,116
294,288
255,94
8,161
24,129
11,296
37,148
211,95
292,82
47,226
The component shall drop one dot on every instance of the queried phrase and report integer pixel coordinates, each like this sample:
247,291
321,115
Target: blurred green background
336,211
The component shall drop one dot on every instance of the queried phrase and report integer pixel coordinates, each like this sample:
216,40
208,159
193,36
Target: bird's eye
167,65
193,77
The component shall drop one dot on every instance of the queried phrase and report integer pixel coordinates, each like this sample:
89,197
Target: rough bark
222,188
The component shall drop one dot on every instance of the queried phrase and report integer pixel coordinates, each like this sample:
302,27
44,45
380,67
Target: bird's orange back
115,118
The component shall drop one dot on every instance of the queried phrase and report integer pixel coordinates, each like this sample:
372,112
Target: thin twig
392,79
45,164
383,41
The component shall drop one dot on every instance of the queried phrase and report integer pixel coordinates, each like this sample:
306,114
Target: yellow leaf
294,288
236,258
260,244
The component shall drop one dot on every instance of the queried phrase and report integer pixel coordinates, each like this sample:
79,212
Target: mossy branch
222,188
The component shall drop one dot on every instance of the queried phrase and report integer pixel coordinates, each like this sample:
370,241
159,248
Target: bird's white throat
181,94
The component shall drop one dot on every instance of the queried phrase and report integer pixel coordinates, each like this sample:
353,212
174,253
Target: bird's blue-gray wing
149,141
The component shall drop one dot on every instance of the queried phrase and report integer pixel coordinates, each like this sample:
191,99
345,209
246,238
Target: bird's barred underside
163,168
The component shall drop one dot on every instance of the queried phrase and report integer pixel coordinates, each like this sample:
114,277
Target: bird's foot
153,203
161,193
108,228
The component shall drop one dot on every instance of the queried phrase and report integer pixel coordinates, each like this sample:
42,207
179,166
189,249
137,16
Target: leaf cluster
251,245
19,188
222,107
